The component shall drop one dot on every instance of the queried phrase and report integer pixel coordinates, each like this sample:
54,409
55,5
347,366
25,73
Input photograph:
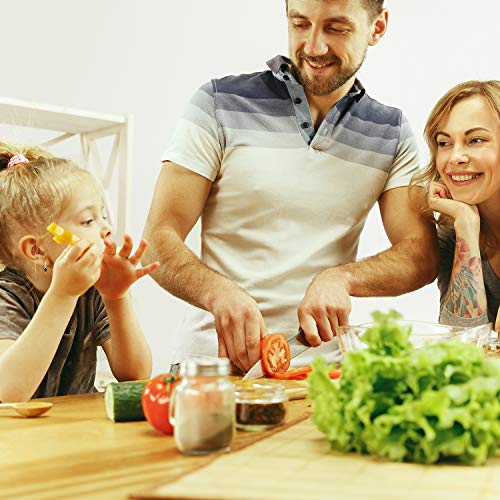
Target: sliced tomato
295,374
275,354
302,372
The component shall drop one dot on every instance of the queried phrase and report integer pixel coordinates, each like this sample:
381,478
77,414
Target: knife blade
297,344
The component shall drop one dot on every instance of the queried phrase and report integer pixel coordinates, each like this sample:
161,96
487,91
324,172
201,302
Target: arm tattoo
466,296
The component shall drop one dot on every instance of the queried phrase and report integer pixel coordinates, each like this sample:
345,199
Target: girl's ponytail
9,151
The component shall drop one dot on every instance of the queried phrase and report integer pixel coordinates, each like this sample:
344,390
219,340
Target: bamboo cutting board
297,463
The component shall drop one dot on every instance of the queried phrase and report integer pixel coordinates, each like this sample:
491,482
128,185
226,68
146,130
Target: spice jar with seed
260,406
202,407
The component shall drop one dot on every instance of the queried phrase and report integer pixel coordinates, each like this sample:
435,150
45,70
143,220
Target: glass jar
202,407
260,405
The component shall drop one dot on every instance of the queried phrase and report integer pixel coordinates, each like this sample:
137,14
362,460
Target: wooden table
76,452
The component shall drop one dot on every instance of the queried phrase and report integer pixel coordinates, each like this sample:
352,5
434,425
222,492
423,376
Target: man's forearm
406,266
181,272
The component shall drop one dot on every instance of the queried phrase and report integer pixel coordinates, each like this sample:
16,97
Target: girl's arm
24,362
127,351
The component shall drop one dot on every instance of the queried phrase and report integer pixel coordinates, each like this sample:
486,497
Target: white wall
147,57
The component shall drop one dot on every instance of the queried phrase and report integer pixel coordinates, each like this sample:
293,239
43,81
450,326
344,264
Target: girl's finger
136,258
143,271
79,250
127,247
109,247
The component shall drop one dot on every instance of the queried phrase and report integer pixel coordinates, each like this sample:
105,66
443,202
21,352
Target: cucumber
123,401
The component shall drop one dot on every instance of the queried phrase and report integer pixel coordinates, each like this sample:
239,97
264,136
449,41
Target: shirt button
284,67
286,77
305,125
297,100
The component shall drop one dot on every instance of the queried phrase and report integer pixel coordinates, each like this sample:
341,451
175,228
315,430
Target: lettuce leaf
438,402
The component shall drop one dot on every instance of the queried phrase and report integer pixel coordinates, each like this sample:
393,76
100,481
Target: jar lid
215,366
260,392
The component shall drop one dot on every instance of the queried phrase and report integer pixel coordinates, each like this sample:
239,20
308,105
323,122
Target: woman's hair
490,91
33,194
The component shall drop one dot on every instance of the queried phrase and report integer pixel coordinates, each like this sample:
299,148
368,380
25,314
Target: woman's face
468,152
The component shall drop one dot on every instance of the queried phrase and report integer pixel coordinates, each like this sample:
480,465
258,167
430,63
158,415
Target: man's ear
29,248
379,27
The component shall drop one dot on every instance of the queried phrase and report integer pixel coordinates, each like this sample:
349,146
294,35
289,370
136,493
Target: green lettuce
438,402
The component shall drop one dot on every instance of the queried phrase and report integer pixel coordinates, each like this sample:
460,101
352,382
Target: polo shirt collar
280,66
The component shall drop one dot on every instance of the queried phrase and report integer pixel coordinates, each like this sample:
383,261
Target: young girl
463,178
59,302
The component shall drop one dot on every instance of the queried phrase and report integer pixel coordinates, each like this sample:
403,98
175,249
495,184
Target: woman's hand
497,322
118,270
440,200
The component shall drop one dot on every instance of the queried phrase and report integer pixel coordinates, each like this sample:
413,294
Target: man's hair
374,7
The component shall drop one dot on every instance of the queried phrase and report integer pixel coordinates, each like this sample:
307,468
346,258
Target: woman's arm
466,295
464,301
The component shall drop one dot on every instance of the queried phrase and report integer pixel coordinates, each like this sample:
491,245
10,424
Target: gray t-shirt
73,368
491,283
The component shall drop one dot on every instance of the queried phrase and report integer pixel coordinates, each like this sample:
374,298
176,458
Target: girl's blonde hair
490,90
33,194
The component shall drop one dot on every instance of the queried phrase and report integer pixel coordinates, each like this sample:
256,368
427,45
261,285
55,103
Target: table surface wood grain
75,451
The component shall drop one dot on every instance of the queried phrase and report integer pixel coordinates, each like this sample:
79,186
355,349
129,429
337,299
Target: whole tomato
156,401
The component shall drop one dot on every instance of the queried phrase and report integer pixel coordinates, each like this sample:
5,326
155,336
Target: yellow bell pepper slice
60,235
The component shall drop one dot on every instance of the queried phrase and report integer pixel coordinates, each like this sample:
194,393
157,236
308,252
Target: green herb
438,402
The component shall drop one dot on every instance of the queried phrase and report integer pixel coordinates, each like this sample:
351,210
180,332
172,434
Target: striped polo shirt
287,201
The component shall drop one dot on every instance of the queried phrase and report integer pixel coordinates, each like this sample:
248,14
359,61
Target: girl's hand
440,200
77,268
118,270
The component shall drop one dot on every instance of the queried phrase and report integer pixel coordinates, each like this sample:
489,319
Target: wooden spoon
30,408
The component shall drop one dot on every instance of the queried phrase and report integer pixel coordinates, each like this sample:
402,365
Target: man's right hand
240,326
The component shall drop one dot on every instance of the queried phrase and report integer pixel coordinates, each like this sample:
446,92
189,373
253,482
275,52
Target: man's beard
320,85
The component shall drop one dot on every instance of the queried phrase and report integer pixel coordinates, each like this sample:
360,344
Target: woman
463,180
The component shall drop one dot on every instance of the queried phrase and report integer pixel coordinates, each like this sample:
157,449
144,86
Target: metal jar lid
214,367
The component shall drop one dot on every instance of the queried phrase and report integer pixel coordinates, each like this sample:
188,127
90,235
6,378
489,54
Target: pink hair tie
16,159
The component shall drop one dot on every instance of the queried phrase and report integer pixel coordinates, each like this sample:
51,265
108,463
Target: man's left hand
325,307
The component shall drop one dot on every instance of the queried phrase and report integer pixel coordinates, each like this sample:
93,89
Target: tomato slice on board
302,372
275,354
295,374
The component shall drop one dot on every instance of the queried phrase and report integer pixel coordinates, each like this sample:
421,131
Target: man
283,166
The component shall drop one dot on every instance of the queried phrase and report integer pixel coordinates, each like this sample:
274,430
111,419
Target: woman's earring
44,267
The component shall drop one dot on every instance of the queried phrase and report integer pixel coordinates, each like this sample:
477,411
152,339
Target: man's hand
118,270
325,307
239,326
497,322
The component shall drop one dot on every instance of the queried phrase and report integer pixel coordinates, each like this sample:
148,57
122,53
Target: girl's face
468,152
84,218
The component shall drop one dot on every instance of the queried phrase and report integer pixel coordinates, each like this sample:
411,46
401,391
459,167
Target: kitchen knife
298,345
